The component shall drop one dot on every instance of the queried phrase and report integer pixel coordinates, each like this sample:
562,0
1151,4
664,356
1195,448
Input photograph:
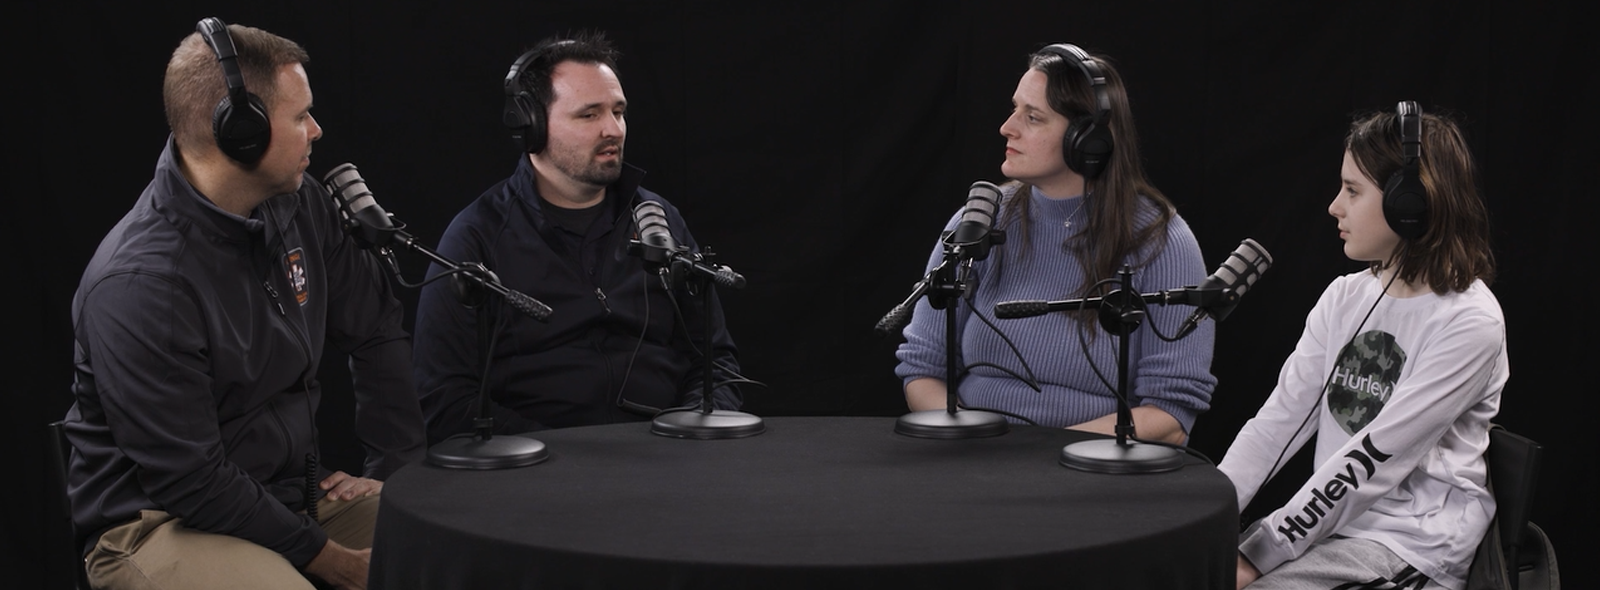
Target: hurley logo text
1323,499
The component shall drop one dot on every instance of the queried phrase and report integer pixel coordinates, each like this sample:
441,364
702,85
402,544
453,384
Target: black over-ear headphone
524,114
240,122
1405,199
1088,143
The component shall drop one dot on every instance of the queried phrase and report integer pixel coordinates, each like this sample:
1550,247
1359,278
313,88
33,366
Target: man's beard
581,166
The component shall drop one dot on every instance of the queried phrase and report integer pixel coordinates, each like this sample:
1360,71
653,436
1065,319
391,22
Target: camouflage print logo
1363,379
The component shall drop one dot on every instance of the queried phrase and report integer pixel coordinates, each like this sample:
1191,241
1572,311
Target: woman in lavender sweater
1079,209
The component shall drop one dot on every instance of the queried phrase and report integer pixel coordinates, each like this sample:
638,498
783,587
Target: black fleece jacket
198,337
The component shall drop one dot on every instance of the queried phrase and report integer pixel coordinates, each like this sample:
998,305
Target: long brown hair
1112,200
1455,248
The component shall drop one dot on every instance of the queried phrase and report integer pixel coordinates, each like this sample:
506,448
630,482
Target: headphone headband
1410,131
1087,144
1096,76
1405,198
216,36
524,113
240,122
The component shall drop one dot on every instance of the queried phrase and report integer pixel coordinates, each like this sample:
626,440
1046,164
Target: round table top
838,501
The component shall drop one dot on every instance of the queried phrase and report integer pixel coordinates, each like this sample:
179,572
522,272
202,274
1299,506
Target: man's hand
1247,573
344,568
343,486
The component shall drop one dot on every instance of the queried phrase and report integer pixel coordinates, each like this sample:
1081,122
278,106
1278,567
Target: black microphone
974,232
1215,297
655,237
897,318
363,218
659,249
372,227
1233,278
1026,309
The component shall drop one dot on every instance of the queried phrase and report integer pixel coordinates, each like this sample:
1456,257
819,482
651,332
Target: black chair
67,556
1515,554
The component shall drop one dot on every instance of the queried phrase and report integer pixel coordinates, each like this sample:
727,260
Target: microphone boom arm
1192,296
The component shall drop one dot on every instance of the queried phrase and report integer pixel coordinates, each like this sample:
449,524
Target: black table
813,502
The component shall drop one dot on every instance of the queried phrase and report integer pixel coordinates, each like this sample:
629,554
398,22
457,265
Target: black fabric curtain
819,148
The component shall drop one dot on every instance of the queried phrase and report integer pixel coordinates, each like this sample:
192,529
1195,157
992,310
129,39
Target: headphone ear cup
538,133
242,133
1087,147
1405,204
525,118
515,119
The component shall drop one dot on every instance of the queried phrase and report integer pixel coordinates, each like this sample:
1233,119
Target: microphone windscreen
1237,274
1244,266
1021,309
728,278
651,220
894,321
348,189
983,200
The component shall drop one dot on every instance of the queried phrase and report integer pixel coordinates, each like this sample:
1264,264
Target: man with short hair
199,326
619,345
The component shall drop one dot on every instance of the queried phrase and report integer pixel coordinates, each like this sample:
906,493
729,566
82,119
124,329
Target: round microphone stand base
468,451
699,425
1110,456
944,425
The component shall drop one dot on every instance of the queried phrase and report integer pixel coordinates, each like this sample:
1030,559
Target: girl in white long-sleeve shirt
1398,374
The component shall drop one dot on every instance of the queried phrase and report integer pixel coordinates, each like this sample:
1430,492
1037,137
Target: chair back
59,456
1514,474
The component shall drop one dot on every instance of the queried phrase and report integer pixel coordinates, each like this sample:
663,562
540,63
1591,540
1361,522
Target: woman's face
1033,135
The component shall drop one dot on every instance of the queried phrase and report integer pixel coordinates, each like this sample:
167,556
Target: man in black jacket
199,325
619,344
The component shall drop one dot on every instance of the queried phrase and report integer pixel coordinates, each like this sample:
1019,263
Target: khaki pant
157,551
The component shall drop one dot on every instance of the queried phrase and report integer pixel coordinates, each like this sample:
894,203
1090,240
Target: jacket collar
178,201
525,188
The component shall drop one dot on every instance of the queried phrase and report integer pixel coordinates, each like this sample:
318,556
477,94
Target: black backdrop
820,146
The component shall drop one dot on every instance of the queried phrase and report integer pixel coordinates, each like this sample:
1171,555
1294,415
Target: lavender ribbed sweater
1173,376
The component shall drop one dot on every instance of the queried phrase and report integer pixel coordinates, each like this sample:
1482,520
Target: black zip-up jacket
613,330
198,336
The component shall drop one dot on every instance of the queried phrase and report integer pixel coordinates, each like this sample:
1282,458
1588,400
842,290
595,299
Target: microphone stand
1120,317
706,423
374,229
944,288
481,449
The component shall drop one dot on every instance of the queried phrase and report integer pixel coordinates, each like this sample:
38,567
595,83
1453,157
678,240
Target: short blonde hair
194,83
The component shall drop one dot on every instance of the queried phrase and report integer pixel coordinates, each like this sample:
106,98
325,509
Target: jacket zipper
288,437
273,294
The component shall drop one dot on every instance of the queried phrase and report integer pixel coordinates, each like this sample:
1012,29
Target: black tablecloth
813,502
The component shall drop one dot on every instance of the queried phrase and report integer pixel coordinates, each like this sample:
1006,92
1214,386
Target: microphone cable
1325,384
1031,380
1083,344
311,473
394,268
716,363
1186,450
682,322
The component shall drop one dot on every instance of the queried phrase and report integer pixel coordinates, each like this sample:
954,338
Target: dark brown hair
585,47
1454,250
1111,201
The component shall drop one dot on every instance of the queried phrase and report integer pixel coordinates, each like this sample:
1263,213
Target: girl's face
1359,209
